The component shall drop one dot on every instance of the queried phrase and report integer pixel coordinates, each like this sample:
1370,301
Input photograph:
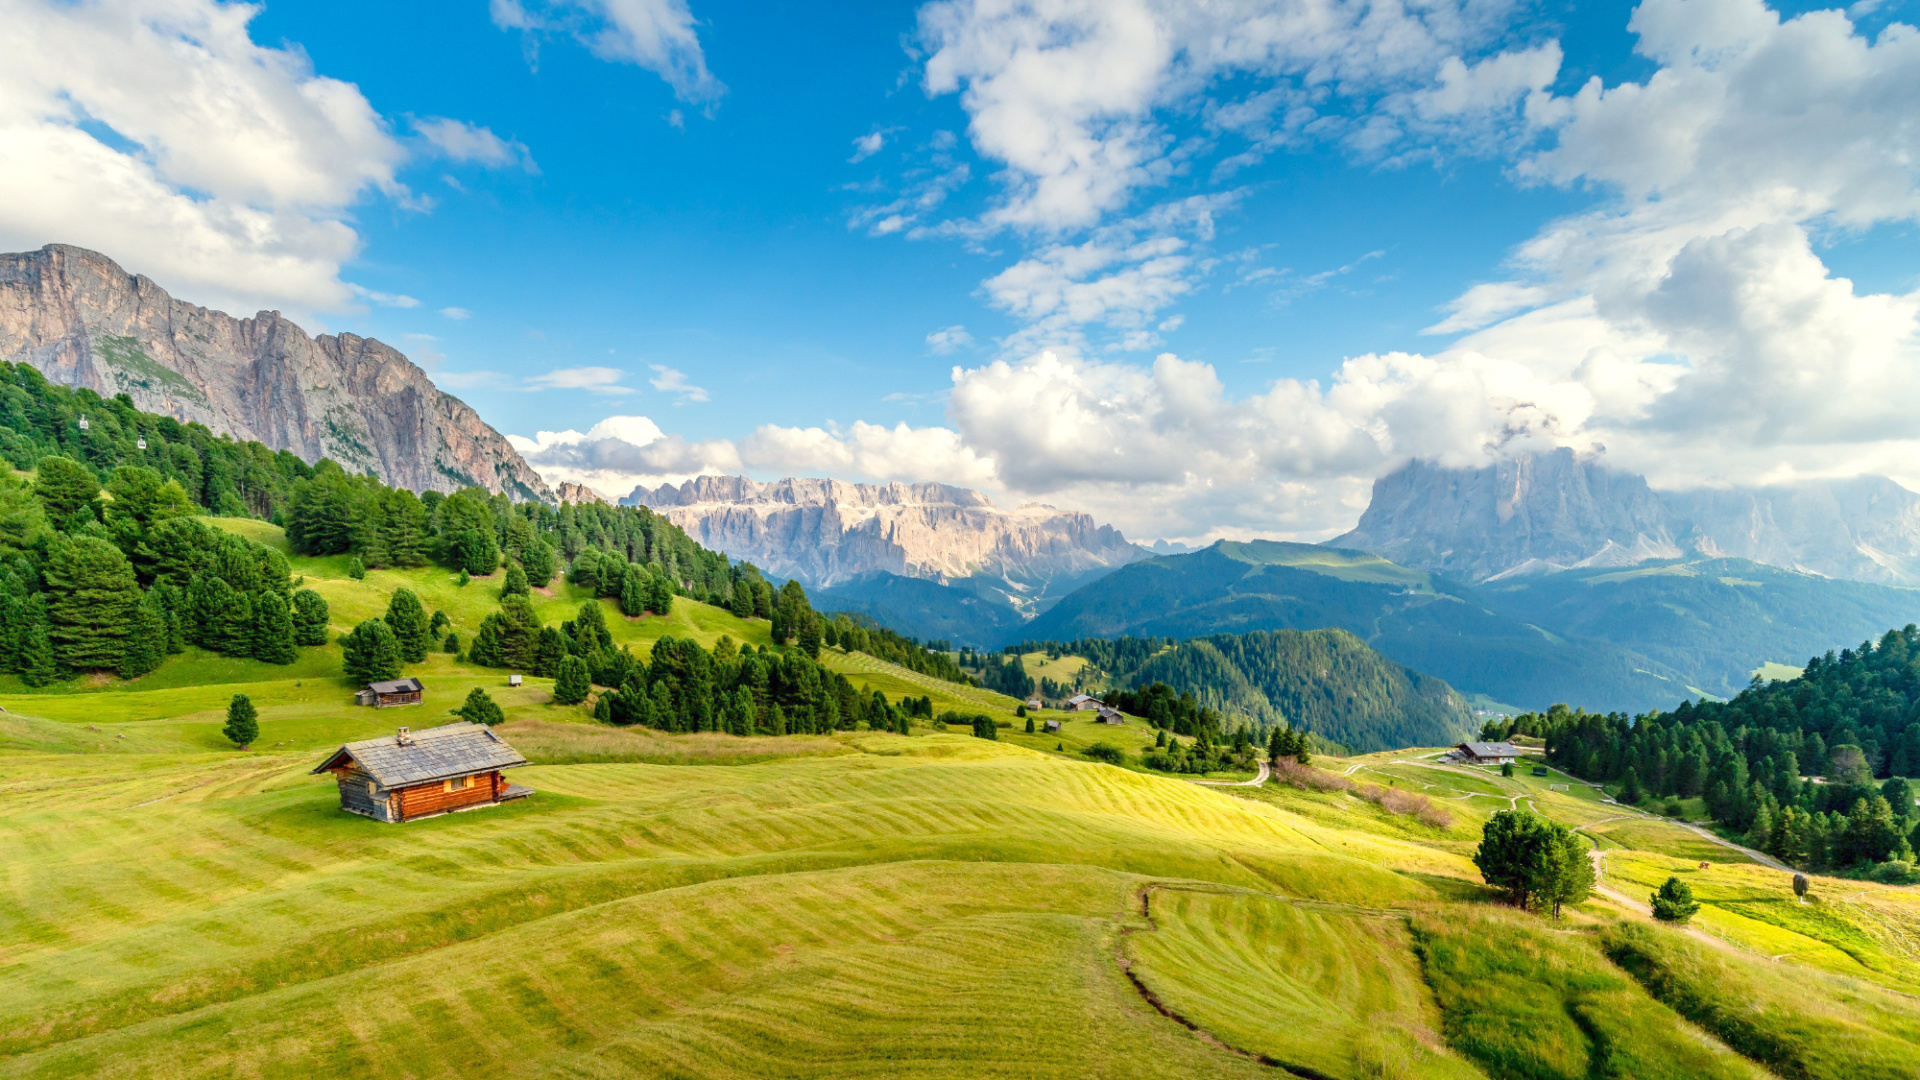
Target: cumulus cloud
458,140
158,132
623,452
657,35
948,340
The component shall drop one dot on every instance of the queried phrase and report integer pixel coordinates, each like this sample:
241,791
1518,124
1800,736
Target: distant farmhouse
1111,716
1486,753
416,774
1084,702
1033,703
381,695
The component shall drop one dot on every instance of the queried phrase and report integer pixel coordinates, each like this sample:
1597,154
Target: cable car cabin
383,695
417,774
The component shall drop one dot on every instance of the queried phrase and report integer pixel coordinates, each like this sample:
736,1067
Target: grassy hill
860,904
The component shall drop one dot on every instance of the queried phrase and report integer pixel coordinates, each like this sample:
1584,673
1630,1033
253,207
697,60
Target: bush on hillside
1112,755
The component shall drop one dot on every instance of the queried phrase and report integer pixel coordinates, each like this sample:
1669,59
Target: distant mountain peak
81,320
1555,510
830,532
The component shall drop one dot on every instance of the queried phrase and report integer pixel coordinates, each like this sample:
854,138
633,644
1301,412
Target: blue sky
1183,269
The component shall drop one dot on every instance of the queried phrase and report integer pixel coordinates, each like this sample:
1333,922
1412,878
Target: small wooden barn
1053,727
1083,702
1110,715
381,695
416,774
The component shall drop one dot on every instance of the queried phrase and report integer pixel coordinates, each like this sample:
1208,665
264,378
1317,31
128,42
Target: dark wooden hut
381,695
417,774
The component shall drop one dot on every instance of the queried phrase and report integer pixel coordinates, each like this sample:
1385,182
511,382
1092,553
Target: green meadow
851,905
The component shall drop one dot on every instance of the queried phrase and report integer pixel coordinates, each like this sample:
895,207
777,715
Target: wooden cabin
380,695
1084,702
1486,753
1109,715
1053,727
416,774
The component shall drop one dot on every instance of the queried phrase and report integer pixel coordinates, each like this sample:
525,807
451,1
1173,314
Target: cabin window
369,787
458,785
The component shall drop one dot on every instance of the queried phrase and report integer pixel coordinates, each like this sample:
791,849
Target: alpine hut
381,695
1084,702
1486,753
416,774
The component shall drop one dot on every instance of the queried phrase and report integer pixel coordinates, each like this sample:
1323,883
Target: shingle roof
397,686
438,753
1491,749
1082,697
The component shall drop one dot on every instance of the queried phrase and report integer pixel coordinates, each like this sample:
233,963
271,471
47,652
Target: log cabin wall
434,798
360,794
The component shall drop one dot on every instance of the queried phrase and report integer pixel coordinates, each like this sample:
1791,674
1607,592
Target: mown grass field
862,904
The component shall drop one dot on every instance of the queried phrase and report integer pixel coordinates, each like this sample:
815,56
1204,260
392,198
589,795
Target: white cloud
457,314
157,132
657,35
865,146
622,452
948,340
672,381
461,141
594,380
393,300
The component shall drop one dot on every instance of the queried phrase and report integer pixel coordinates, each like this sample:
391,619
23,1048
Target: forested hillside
1325,682
1812,770
105,565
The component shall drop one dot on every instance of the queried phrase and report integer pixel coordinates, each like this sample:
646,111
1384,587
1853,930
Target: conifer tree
572,685
67,489
486,650
742,601
37,664
480,708
516,581
371,653
451,644
91,599
310,616
438,624
408,621
740,718
633,594
603,708
1674,902
1276,744
273,630
549,653
537,560
147,644
356,569
403,528
660,595
243,725
810,634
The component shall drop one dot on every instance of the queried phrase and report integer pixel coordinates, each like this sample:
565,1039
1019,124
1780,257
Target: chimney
405,738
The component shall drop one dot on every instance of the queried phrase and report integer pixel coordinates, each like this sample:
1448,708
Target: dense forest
106,565
1327,683
1811,770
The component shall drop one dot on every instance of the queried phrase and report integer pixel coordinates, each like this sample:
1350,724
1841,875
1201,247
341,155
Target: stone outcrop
826,532
83,321
570,492
1544,512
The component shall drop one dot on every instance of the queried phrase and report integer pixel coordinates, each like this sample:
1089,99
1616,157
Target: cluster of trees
862,634
743,691
1165,708
1535,863
1203,755
1005,673
116,577
1852,720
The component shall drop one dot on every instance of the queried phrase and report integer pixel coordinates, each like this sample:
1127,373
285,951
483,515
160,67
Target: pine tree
273,630
1674,902
67,489
403,528
572,686
486,650
603,707
633,594
243,725
371,653
408,621
310,615
549,653
660,595
810,635
537,561
438,625
147,645
452,644
91,600
742,602
481,709
516,582
356,569
36,661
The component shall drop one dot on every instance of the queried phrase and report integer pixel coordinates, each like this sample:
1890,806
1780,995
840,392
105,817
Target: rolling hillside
861,904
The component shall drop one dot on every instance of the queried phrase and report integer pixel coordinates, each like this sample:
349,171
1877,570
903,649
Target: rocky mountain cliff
828,532
83,321
1552,511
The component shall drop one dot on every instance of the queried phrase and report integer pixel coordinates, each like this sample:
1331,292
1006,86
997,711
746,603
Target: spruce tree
91,600
572,686
147,645
810,634
486,649
452,644
310,615
481,709
660,595
408,621
370,653
243,724
37,664
633,593
1674,902
549,653
273,630
1276,744
356,569
538,561
516,582
438,624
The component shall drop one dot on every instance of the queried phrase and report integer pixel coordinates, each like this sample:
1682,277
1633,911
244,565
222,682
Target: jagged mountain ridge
82,321
830,532
1555,510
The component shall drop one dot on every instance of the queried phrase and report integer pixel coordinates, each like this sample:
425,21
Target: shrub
1112,755
356,569
1674,902
481,709
1893,872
